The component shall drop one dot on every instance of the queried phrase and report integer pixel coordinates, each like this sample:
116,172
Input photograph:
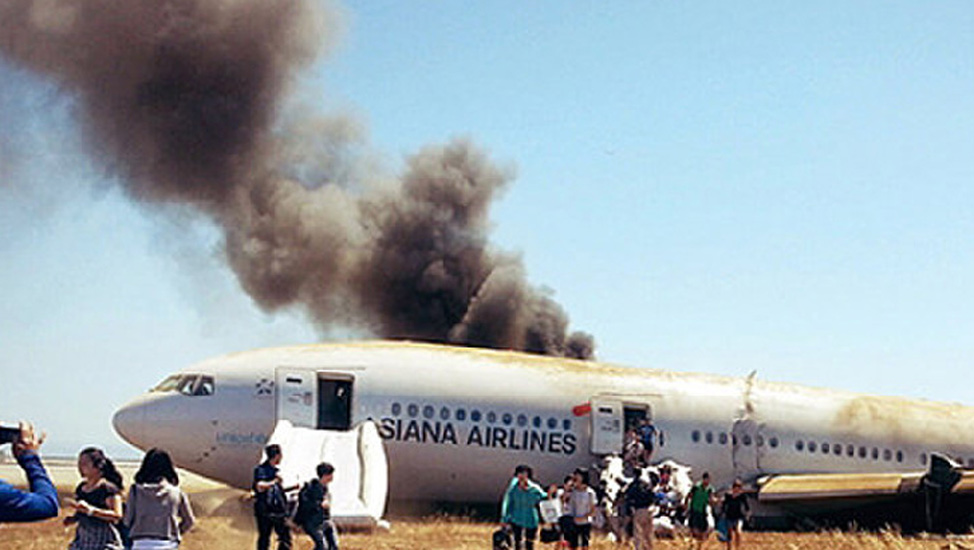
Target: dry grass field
224,533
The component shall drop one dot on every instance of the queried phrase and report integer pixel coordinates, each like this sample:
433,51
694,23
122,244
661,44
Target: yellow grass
223,533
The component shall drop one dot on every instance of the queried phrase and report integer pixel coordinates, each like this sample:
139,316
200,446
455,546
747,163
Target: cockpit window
187,384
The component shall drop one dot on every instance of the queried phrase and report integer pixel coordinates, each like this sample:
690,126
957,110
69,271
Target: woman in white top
581,504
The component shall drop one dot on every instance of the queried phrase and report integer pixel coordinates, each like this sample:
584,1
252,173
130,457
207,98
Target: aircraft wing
928,500
358,491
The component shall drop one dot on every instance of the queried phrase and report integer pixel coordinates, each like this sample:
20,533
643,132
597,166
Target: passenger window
444,413
812,446
875,453
825,448
723,438
461,414
759,440
475,415
522,420
428,411
491,417
799,445
413,410
396,409
536,422
887,455
899,456
850,450
552,423
566,424
773,442
709,437
837,449
695,436
747,440
507,419
862,452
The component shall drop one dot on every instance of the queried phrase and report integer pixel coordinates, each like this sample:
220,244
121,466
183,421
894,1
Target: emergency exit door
607,429
296,397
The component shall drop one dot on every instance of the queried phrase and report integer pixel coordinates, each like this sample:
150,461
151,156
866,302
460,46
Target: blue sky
780,187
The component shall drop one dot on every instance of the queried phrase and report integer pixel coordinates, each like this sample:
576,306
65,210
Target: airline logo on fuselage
438,432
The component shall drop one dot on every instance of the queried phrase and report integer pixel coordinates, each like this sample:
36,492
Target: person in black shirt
270,503
735,510
314,509
640,498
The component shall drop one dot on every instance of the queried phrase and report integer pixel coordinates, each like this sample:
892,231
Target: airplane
435,423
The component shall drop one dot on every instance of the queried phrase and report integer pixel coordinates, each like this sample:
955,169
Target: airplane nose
129,422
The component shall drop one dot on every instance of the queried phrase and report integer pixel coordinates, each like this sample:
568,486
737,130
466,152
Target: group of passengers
565,513
153,517
569,510
156,513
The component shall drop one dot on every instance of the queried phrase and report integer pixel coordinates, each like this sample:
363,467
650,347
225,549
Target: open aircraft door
297,396
361,482
607,429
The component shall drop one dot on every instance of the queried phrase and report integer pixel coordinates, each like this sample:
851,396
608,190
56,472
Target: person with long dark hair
158,512
97,504
519,509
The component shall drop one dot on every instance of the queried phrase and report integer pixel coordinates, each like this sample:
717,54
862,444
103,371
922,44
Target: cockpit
187,384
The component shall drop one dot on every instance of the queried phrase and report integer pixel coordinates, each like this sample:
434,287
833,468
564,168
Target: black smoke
183,101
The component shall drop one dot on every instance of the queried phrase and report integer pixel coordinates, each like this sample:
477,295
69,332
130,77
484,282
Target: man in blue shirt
270,503
41,501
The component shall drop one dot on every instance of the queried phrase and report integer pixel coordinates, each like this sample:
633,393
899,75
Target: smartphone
9,435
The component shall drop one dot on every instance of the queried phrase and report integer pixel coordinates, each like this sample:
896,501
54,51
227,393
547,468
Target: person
699,500
581,504
158,512
270,508
735,508
519,509
566,523
314,509
640,497
41,501
632,451
647,436
97,504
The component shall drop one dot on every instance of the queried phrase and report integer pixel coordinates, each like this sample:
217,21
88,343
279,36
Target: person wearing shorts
699,501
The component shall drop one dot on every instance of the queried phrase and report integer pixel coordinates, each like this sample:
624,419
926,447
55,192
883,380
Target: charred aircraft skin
455,421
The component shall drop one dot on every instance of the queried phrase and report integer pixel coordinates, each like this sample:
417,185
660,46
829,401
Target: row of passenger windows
445,413
723,438
849,450
827,448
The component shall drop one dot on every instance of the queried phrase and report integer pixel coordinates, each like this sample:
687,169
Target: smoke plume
183,100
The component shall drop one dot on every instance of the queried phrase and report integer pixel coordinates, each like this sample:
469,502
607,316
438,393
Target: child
314,509
581,503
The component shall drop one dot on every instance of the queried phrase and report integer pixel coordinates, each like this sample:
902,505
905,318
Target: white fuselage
456,421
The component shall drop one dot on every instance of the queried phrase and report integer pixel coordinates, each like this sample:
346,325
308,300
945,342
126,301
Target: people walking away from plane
735,509
581,505
40,502
314,509
699,501
270,503
647,437
566,523
640,496
519,508
97,504
158,513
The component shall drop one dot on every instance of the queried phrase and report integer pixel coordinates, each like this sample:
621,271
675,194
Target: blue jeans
324,535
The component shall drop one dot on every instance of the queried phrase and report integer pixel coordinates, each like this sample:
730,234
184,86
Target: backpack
275,502
502,539
306,504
